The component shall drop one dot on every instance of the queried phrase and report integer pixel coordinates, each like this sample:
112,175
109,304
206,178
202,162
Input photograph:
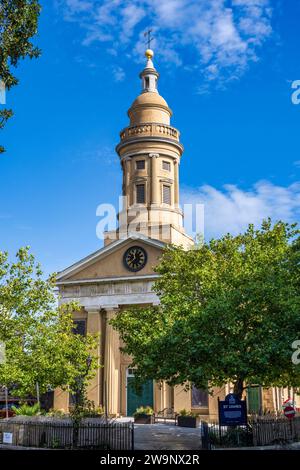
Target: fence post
132,437
205,436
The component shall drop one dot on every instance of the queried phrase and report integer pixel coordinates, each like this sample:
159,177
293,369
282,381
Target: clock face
135,258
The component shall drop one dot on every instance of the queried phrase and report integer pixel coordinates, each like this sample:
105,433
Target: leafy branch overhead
229,312
18,24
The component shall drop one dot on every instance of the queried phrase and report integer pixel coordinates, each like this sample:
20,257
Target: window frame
168,164
136,193
207,398
140,161
164,185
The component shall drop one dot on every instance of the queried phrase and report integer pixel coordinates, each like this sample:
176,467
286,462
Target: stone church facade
121,273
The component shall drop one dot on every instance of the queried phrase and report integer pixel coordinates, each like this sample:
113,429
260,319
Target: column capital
110,311
107,308
153,155
92,309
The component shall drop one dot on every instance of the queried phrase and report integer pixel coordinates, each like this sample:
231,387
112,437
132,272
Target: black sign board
232,411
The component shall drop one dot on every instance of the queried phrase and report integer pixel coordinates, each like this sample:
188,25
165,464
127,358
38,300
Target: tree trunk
239,387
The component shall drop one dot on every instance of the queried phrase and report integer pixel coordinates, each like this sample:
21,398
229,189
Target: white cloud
231,209
220,37
118,73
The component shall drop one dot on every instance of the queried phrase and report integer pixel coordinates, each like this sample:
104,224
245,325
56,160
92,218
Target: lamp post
88,362
6,401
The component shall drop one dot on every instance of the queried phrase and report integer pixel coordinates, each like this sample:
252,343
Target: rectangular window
140,193
166,165
166,194
140,164
79,327
199,397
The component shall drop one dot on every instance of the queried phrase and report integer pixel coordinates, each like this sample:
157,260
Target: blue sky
226,71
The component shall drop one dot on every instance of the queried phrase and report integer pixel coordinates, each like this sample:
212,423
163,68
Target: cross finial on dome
149,75
149,38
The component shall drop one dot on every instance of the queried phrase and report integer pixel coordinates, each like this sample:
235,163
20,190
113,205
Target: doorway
135,399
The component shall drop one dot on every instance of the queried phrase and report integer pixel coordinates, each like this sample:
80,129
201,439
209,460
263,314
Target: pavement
166,437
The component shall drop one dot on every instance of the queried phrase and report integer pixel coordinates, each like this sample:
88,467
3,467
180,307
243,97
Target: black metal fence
278,430
60,435
260,431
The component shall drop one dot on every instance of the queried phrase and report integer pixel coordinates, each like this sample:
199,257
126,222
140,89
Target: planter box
143,419
188,421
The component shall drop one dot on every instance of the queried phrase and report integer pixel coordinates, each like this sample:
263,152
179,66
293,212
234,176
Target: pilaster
176,183
111,366
94,327
154,179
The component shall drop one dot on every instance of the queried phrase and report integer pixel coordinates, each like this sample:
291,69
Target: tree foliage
18,24
41,345
229,312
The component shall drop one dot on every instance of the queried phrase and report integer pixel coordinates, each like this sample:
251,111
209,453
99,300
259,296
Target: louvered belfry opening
166,194
140,194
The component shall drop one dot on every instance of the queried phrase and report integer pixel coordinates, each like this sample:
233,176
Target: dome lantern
149,106
149,75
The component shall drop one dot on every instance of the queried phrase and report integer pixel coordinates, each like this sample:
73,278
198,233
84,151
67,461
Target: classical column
176,183
154,180
94,327
127,167
111,366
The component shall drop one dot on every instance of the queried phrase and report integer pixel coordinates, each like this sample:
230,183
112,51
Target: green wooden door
253,398
135,400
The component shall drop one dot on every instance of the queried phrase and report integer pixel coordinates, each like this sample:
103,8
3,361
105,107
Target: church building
121,274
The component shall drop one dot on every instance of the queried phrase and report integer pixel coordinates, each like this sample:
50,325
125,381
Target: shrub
87,410
144,410
233,437
57,413
185,412
27,410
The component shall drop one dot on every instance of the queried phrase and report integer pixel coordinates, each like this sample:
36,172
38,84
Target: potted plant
144,415
187,419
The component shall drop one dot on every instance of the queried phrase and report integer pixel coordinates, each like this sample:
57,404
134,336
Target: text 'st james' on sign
232,411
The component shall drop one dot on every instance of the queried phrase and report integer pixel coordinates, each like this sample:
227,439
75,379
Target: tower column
94,327
111,366
154,180
176,183
127,165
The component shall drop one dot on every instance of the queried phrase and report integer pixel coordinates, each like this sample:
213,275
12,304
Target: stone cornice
134,140
146,277
162,153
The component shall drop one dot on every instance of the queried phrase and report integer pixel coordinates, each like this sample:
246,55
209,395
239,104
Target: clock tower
122,272
150,153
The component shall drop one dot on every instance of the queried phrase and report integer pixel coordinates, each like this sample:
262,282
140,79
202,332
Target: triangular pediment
108,262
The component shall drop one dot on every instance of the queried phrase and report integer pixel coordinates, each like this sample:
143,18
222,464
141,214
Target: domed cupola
149,106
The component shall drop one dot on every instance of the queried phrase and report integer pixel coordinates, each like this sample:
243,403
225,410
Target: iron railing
260,431
103,435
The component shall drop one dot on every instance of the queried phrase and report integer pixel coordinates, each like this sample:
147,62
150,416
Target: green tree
18,24
229,312
41,344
